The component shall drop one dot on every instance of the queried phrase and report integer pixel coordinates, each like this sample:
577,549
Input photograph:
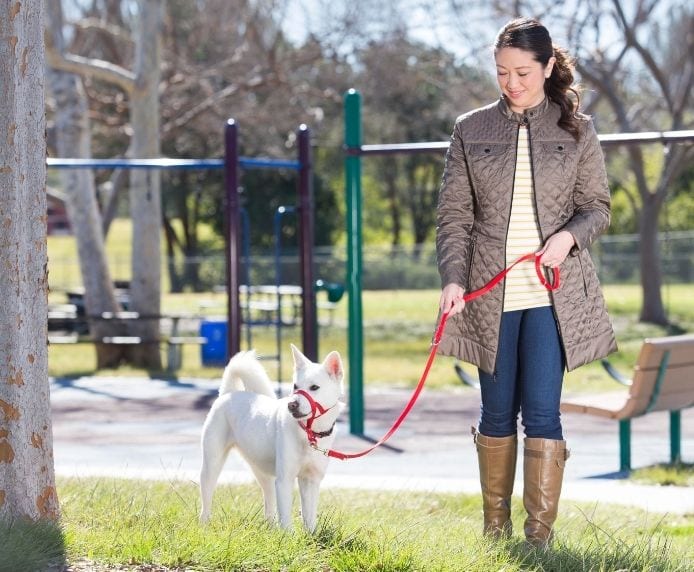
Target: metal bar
606,139
309,319
170,163
625,445
354,262
158,163
266,163
233,235
657,386
675,437
647,137
246,271
398,148
277,224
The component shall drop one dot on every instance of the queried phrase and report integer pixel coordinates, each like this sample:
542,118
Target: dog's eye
314,387
295,387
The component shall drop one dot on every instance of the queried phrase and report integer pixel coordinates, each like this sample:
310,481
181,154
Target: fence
397,268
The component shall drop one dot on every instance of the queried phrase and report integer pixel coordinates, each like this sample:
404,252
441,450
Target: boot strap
535,454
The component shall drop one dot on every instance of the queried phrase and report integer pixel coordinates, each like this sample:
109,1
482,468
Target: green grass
679,474
27,546
143,522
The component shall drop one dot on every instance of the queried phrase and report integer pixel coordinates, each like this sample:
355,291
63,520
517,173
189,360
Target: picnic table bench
67,323
663,381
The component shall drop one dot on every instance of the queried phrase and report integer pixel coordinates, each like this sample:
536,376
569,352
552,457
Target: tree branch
93,68
211,101
646,56
116,32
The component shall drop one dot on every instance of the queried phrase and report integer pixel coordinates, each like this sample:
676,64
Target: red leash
432,354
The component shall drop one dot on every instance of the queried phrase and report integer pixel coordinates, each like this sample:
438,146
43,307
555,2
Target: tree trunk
145,199
390,175
73,139
27,480
175,280
652,309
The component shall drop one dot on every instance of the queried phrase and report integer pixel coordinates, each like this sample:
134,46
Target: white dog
270,433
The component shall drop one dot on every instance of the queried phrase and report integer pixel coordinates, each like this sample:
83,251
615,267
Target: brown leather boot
543,470
497,461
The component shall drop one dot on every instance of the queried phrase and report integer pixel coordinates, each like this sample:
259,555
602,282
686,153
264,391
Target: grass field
398,326
141,522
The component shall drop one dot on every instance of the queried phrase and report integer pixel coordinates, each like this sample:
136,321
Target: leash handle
553,285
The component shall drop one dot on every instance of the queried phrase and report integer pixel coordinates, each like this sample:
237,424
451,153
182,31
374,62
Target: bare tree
27,480
658,96
73,139
142,88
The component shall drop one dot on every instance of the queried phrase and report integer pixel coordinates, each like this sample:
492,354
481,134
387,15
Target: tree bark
27,480
652,309
73,139
145,197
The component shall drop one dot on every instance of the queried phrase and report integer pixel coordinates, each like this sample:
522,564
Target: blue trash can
214,351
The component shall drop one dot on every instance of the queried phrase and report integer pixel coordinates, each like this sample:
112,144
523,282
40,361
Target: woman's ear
550,66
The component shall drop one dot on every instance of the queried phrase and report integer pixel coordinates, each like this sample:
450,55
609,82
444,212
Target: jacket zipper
539,226
473,246
583,275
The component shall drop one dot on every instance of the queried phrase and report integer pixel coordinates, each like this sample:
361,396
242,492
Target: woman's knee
498,424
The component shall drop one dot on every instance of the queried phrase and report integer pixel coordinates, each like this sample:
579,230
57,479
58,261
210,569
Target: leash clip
315,447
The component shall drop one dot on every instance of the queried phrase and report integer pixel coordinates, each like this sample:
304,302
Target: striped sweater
522,289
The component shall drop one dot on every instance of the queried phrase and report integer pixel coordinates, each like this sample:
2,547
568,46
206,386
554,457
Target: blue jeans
528,378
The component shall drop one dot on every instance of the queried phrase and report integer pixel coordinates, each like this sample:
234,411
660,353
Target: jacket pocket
561,148
482,150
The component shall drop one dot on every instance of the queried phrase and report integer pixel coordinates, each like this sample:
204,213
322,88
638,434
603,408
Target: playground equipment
237,223
302,165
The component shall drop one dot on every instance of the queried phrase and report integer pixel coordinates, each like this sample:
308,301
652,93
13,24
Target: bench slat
180,340
600,404
675,401
121,340
681,351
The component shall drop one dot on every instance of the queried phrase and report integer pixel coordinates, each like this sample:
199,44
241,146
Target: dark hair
529,35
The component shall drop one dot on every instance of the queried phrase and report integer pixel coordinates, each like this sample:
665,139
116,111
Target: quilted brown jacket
474,208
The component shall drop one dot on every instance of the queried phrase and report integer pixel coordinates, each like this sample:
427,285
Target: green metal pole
354,262
675,437
625,445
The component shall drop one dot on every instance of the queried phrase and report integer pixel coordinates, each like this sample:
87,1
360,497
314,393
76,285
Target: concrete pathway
150,428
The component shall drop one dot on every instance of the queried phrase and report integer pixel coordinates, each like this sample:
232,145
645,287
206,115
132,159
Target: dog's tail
245,372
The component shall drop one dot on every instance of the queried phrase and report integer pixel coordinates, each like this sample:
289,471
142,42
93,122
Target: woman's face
521,78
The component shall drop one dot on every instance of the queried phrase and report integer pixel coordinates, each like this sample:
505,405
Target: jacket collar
530,113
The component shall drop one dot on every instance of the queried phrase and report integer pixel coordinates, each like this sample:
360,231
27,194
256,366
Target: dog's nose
293,405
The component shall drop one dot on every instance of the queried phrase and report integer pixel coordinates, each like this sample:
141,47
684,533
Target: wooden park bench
663,381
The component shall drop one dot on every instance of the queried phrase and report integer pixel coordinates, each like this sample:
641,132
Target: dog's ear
333,365
300,360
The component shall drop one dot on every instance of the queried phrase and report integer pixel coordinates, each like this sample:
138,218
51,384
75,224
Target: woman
524,174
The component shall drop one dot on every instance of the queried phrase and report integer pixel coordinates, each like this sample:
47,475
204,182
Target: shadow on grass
605,551
29,546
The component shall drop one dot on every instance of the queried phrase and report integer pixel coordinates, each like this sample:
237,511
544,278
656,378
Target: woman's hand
452,299
556,248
